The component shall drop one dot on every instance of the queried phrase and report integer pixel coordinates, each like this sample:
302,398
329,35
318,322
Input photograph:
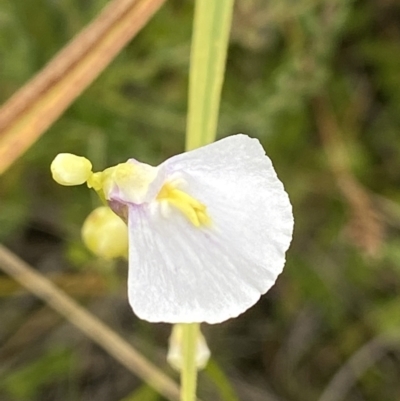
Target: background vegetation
318,82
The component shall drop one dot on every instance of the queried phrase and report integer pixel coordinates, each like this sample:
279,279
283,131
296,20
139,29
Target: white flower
208,230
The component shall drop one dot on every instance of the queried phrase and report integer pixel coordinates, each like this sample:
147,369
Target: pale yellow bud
105,234
174,356
68,169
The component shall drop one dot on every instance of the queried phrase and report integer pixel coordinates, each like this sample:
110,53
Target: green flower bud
105,234
68,169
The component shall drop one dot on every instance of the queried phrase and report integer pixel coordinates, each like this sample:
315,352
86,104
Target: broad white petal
179,273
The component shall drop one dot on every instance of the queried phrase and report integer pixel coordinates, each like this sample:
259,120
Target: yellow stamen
193,210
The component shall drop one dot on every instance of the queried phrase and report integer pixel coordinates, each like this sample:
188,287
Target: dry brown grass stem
365,227
41,101
84,285
88,324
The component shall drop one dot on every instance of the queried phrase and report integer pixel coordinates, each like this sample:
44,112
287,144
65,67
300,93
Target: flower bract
175,349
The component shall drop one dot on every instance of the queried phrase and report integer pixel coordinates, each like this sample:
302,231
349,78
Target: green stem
212,22
190,334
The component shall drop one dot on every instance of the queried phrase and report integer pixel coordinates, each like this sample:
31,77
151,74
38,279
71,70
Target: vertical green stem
212,22
190,334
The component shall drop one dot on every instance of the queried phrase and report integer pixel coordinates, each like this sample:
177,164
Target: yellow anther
69,169
193,210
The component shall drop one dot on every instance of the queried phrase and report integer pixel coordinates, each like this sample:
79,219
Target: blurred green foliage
286,59
27,382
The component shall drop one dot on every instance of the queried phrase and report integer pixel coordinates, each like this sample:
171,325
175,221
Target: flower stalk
189,368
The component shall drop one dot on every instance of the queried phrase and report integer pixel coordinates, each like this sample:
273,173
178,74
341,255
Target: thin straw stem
88,324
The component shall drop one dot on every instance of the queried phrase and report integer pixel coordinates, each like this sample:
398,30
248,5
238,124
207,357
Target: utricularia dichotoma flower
208,229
